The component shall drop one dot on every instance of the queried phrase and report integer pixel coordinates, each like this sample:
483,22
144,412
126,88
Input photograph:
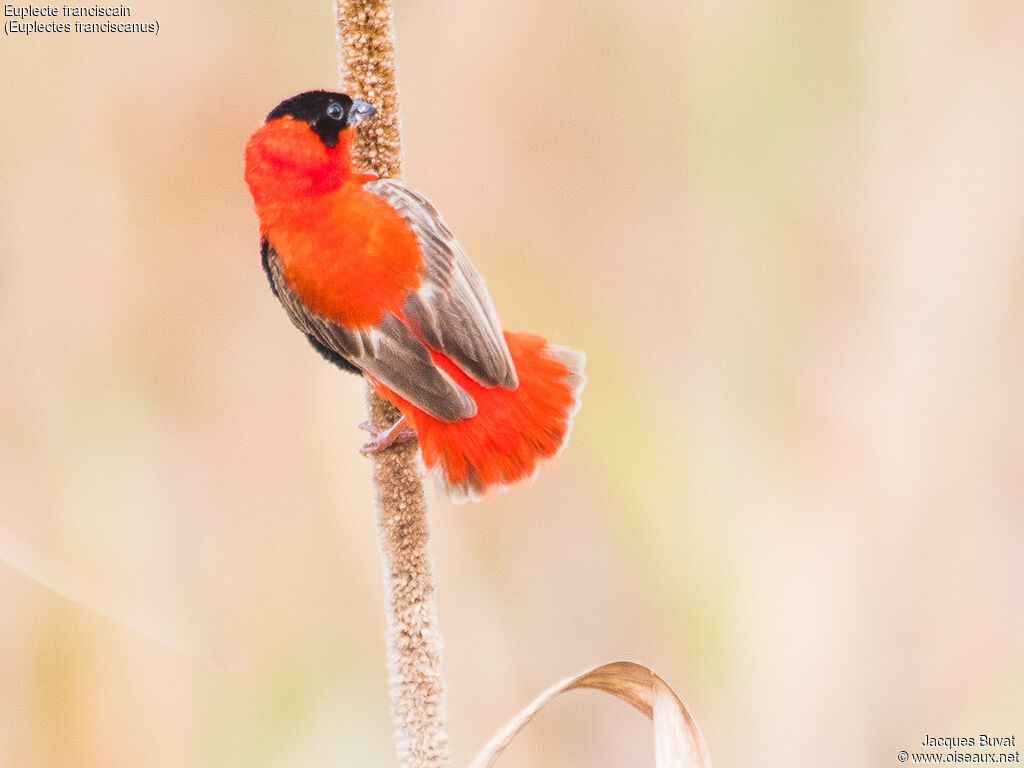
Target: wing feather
452,308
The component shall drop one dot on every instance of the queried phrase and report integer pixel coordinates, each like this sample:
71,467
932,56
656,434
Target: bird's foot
385,438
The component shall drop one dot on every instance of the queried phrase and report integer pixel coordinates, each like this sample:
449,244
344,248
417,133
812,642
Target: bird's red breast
348,254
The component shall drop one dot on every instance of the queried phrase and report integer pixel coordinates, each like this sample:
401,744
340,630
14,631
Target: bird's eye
334,111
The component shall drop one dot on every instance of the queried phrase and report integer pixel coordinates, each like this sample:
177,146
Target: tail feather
514,432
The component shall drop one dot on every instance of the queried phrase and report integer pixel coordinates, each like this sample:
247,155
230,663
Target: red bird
368,270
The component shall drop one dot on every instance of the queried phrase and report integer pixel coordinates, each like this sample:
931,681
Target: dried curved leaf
677,739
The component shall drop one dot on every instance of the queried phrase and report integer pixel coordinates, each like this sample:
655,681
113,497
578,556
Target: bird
370,272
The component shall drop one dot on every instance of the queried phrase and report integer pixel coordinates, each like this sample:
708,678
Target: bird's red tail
514,432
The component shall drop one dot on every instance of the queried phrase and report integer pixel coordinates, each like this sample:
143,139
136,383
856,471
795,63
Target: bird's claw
386,437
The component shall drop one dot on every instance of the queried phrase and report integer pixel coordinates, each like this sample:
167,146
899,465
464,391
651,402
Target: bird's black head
328,114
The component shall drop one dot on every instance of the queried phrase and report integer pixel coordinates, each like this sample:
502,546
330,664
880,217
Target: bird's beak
360,111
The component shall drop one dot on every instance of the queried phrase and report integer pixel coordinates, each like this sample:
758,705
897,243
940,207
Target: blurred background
789,236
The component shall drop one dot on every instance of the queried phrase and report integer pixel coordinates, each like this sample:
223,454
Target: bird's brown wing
452,308
388,352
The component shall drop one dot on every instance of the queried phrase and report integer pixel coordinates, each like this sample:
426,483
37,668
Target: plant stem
366,57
